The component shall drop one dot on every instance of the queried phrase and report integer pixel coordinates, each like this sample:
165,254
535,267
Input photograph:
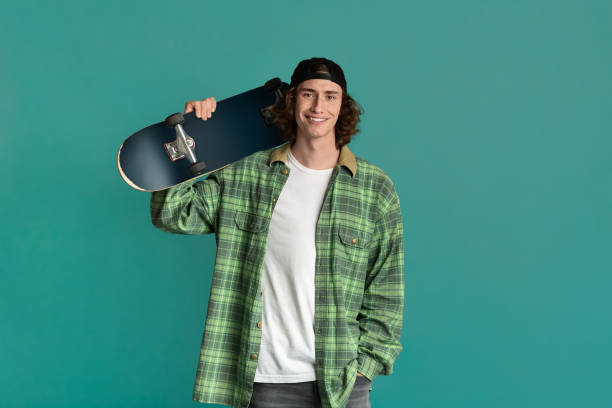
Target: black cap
308,69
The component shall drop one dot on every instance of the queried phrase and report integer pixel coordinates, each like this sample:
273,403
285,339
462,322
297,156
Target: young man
307,293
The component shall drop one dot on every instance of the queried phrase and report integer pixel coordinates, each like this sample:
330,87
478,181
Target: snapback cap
311,69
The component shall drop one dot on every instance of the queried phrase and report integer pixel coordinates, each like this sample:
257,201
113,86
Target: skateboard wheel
197,167
273,84
175,119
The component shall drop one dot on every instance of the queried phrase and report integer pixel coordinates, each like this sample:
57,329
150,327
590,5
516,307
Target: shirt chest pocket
250,222
352,237
355,242
249,238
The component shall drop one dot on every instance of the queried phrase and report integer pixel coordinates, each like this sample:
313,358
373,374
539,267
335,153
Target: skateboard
185,147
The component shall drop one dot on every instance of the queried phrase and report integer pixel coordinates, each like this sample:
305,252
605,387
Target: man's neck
316,154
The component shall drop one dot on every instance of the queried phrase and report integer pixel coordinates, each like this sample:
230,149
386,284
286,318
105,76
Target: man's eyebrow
312,90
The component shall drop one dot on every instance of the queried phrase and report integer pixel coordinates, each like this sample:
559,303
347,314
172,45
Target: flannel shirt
359,271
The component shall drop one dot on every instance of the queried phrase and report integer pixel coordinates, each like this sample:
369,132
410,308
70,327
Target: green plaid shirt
359,271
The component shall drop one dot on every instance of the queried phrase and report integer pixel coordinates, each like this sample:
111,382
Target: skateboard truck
183,145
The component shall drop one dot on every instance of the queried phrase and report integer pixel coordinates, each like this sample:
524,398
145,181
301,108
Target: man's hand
203,109
358,373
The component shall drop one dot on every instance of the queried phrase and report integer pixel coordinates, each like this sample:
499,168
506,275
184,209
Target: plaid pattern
359,282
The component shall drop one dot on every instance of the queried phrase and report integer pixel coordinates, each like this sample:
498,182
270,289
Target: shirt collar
346,158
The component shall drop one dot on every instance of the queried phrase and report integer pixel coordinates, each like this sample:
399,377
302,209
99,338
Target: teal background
493,118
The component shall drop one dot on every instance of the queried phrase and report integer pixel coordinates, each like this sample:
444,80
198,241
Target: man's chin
311,136
317,134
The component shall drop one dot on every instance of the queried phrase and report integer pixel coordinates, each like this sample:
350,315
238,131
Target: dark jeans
304,395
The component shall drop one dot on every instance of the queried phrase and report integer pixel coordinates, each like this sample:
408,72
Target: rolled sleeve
189,208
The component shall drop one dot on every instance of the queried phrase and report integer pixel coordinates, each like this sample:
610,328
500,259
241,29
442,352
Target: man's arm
189,208
382,310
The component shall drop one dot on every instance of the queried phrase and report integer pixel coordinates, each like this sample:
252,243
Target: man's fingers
208,108
203,109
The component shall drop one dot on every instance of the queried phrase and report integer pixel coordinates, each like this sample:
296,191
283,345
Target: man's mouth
312,119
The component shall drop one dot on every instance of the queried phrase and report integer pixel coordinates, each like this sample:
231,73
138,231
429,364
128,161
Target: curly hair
346,126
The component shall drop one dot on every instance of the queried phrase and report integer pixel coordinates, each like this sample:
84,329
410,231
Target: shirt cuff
368,366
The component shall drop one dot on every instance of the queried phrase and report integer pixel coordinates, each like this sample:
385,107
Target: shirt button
261,293
354,240
259,324
253,356
252,225
284,171
273,199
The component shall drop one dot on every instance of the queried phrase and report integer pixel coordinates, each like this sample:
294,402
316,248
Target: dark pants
304,395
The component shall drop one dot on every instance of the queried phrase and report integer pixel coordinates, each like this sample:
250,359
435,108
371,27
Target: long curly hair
346,126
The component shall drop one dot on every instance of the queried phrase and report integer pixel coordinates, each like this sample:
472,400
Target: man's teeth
316,119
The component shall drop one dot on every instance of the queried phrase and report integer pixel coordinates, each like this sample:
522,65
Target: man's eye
331,97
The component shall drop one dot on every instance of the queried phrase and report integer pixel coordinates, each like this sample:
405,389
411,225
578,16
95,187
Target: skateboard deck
185,147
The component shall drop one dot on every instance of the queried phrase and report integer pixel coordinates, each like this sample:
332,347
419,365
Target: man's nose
317,104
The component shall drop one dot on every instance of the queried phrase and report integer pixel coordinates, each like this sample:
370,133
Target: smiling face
317,106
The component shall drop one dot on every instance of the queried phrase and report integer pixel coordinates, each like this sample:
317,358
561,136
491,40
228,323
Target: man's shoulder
369,169
378,186
374,177
253,161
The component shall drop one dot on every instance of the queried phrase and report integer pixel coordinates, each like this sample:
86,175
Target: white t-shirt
287,353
